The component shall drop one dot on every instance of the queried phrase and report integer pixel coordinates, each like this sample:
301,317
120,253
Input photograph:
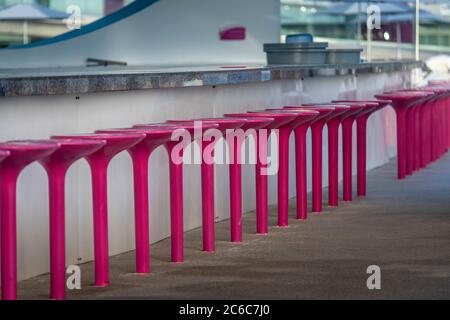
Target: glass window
21,21
344,24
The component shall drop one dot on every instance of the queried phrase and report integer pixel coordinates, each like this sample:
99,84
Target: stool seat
72,149
3,154
280,119
303,115
23,152
225,123
115,142
251,122
191,125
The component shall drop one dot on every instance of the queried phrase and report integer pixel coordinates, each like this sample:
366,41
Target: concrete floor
402,226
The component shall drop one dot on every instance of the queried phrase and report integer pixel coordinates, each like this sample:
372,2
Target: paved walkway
402,226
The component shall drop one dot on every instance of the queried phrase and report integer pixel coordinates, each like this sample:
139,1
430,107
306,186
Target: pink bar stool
401,102
361,131
255,123
333,122
207,172
175,153
435,103
340,113
413,148
358,110
56,166
300,126
98,162
229,125
282,122
140,154
317,126
21,154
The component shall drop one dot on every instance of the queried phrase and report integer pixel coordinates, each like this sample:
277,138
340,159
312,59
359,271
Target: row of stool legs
99,148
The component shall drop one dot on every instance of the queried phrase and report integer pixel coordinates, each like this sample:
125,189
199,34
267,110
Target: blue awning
31,12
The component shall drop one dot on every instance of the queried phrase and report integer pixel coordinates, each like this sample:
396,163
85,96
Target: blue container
300,37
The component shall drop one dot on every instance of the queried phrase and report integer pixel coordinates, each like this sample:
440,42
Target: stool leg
401,142
283,176
333,162
99,171
8,179
261,183
140,157
207,170
176,204
417,140
347,127
361,137
423,136
316,130
300,165
56,176
235,190
410,143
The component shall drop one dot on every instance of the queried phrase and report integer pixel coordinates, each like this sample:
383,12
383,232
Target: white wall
40,117
169,32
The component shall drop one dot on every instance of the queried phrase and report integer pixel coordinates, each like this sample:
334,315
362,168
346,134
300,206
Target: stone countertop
82,80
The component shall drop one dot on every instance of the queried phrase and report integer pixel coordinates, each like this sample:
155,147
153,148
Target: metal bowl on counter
340,56
296,53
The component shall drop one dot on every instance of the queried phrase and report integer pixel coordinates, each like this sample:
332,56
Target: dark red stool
21,154
413,129
359,109
361,136
301,122
182,136
253,126
228,127
341,112
317,126
300,126
282,123
98,162
207,185
140,154
401,102
56,165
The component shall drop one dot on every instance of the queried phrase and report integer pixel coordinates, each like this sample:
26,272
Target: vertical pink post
316,131
261,184
300,175
99,171
410,145
176,204
140,157
56,177
347,127
333,161
361,136
207,169
283,175
8,233
235,190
